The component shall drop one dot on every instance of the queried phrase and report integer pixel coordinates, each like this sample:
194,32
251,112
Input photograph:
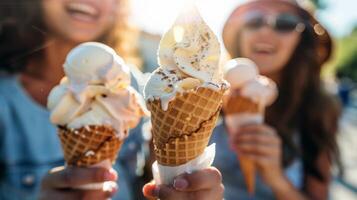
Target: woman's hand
204,184
60,181
262,144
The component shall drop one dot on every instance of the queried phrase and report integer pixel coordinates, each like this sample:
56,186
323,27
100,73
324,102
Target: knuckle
67,177
98,174
220,191
215,173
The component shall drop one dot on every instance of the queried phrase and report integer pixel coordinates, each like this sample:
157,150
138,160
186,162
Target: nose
266,31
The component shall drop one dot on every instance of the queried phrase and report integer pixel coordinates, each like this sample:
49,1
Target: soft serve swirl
188,55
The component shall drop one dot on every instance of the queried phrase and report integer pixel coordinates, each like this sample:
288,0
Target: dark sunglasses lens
254,20
255,23
286,23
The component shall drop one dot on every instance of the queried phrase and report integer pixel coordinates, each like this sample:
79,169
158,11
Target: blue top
226,161
29,146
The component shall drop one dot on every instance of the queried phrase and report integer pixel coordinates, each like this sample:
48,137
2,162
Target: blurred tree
346,57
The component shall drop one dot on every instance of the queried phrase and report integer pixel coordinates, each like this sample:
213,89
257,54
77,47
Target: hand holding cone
94,106
245,103
185,94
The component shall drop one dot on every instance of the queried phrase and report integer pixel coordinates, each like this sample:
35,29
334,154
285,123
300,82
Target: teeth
83,8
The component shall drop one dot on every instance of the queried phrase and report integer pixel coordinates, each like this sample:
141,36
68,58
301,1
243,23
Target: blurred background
153,17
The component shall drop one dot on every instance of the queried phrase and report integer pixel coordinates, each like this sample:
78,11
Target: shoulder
8,86
10,95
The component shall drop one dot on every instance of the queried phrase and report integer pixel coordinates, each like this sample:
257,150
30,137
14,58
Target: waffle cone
233,104
248,169
89,145
181,133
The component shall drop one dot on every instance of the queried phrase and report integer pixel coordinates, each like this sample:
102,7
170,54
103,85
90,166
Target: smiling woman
34,26
35,37
79,20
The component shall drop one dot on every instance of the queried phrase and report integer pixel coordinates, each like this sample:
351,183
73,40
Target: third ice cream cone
245,103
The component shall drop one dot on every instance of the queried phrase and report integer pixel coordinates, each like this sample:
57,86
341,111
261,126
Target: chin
79,37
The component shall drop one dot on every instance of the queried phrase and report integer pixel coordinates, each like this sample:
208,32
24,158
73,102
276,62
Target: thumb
150,190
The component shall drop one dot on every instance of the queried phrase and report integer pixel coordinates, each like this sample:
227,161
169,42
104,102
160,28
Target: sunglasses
282,23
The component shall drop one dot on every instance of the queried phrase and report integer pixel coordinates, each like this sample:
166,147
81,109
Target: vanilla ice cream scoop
261,90
188,55
95,91
243,75
240,70
95,63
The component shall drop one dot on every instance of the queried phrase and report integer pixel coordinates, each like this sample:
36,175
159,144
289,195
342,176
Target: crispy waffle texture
233,104
89,145
181,133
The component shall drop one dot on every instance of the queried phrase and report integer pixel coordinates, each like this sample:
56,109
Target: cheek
110,9
245,42
287,47
52,14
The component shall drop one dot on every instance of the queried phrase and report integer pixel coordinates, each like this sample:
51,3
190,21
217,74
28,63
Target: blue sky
340,16
157,15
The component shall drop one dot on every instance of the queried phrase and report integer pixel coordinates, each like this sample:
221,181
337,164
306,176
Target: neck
44,73
49,67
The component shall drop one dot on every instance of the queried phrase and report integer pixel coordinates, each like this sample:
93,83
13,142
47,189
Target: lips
83,11
264,48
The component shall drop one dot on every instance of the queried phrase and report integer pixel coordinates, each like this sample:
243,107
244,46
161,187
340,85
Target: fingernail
114,189
110,186
110,175
180,183
156,191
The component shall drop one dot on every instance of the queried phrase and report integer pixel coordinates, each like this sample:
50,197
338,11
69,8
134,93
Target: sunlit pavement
345,188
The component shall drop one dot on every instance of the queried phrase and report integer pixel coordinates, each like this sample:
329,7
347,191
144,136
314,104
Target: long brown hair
23,33
303,106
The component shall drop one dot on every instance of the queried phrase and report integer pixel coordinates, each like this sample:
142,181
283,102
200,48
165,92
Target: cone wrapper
166,174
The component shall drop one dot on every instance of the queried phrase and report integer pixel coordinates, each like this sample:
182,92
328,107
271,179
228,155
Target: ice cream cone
235,103
245,104
248,169
89,145
182,132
